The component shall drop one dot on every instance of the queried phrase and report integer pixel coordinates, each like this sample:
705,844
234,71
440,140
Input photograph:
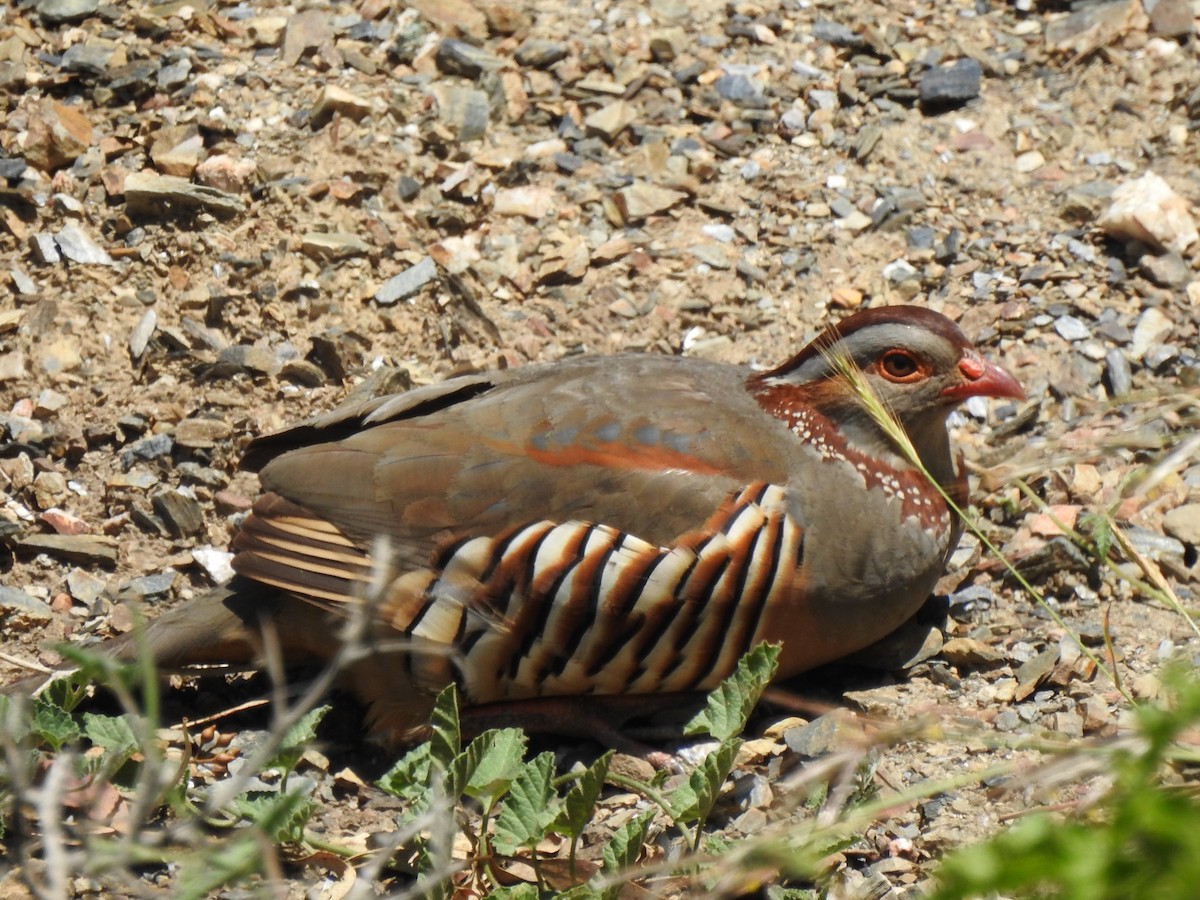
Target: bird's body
601,526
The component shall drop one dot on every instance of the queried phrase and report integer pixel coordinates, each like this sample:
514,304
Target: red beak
981,378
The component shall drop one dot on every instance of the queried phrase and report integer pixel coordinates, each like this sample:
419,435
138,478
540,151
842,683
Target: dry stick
29,664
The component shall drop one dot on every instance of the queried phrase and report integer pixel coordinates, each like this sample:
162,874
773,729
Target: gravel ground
219,218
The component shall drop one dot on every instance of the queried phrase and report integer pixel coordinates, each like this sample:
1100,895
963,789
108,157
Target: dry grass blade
892,427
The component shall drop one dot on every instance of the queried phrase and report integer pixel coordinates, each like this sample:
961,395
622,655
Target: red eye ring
901,367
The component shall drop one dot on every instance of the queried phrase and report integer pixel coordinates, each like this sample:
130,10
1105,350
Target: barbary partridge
628,525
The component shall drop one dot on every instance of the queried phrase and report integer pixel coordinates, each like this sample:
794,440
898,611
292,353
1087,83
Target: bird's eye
900,365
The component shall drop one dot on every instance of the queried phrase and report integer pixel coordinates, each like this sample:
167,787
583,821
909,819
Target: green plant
521,804
1141,840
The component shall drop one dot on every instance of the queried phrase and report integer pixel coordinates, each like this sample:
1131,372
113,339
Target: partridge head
616,526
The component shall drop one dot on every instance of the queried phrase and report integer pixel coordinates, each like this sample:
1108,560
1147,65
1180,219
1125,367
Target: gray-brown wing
588,440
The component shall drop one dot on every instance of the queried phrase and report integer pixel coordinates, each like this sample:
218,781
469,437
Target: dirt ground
372,195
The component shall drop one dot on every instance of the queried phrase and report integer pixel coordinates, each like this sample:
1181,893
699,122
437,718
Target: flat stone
15,603
952,85
55,11
177,150
78,246
86,549
58,135
218,564
253,359
540,54
407,283
610,120
148,587
1152,326
139,337
829,733
1117,373
1169,270
62,355
149,194
307,30
182,514
92,57
84,586
334,99
531,201
465,110
1171,18
44,249
201,433
333,245
1070,328
460,58
146,449
1183,523
642,199
970,652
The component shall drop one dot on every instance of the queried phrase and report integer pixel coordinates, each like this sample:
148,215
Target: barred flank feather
557,608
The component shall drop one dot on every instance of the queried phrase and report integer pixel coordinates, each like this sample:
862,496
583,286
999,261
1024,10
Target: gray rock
88,58
15,602
465,110
1159,355
55,11
78,246
181,514
154,447
139,338
256,360
1167,270
952,85
540,54
826,734
149,194
45,250
84,586
739,89
22,282
1152,544
174,74
407,283
1117,373
460,58
86,549
837,34
1151,326
148,587
1070,328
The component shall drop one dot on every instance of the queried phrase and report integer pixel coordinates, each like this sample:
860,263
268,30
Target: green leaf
297,740
408,779
528,808
580,802
112,733
53,724
201,874
693,800
281,816
624,848
1098,526
522,891
445,742
729,706
499,762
